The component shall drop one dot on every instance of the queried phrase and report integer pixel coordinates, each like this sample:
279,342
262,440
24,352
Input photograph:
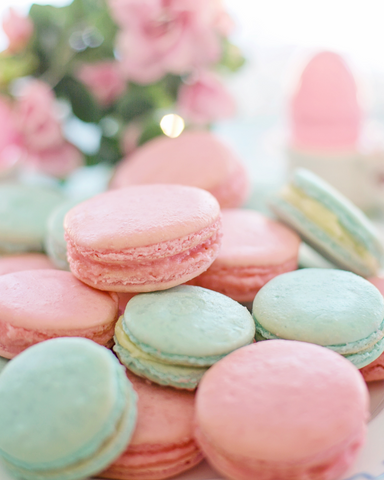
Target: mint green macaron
171,337
67,410
24,211
332,308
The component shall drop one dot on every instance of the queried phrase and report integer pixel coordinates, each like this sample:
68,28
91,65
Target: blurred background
277,38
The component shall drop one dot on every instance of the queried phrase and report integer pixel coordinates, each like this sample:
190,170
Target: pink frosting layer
195,158
25,261
163,443
140,216
145,269
327,466
241,283
285,400
325,112
13,340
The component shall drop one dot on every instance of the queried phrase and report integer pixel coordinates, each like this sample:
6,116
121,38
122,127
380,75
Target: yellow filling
327,221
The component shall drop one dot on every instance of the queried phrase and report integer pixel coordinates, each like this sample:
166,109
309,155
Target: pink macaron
375,370
143,238
254,250
24,261
195,158
163,444
37,305
282,410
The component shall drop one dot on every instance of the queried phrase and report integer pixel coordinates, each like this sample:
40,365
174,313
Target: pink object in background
35,117
205,100
9,138
166,36
325,113
18,29
104,80
24,261
195,158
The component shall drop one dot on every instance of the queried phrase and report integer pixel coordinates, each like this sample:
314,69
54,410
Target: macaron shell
324,306
23,216
163,443
195,158
24,261
187,325
140,216
52,300
253,384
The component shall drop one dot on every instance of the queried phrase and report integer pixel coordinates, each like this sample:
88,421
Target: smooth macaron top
187,324
250,238
324,306
60,401
349,216
140,215
281,401
325,112
24,261
165,415
195,158
53,300
24,211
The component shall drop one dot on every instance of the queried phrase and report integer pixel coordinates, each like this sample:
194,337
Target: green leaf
109,150
151,130
232,57
134,104
83,103
17,66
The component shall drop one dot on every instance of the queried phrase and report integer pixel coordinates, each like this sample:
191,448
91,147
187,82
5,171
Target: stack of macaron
180,265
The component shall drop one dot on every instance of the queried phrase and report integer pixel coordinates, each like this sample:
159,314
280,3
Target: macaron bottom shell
144,365
328,466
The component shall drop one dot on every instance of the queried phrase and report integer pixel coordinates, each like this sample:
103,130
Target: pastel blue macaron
55,243
330,223
171,337
333,308
67,410
24,211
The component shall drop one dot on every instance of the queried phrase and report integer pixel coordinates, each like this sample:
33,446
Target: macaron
24,261
23,216
330,223
67,410
333,308
375,370
196,158
37,305
254,250
172,337
163,443
143,238
281,410
55,243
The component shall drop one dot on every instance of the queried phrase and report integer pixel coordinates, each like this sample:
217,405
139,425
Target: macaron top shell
165,415
140,215
195,158
324,306
24,211
281,401
24,261
62,399
52,300
187,321
250,238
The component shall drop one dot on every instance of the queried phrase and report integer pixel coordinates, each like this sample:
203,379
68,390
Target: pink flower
58,161
104,80
166,36
9,137
206,100
35,117
18,29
